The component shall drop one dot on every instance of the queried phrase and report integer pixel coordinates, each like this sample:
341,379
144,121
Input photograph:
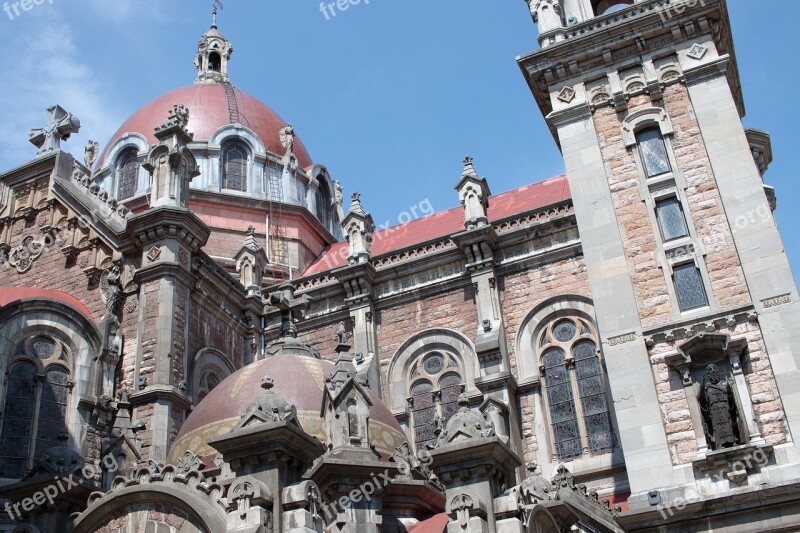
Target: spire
359,229
215,4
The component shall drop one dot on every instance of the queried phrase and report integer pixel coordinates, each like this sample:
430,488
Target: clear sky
390,95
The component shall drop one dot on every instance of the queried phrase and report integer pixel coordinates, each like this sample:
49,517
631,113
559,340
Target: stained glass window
52,408
671,219
575,393
689,287
423,412
15,438
450,385
435,395
592,391
564,419
654,152
127,175
35,408
234,167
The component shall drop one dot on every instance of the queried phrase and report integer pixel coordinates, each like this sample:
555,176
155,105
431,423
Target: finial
267,383
468,160
251,229
60,125
463,401
215,4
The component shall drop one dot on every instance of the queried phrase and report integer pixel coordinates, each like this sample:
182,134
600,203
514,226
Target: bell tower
213,54
644,100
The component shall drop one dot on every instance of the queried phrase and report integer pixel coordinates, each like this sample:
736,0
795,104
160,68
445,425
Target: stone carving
622,339
24,255
62,459
461,506
465,424
60,125
154,254
268,407
90,153
189,463
567,94
342,336
719,410
778,300
111,289
412,468
338,199
697,51
287,137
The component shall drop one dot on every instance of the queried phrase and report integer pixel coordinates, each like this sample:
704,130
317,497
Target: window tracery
436,382
575,389
35,401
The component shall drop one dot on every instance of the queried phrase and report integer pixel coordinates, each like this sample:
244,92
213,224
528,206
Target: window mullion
40,378
573,380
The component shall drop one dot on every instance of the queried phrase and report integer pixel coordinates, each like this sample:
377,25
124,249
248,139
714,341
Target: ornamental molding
776,301
622,339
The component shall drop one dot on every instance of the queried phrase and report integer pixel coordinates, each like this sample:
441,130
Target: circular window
565,330
433,364
43,347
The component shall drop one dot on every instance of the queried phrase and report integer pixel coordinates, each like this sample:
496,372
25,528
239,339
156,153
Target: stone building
198,334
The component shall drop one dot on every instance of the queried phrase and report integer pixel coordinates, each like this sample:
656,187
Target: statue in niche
719,411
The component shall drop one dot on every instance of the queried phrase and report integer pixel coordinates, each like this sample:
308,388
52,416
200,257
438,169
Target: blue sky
389,95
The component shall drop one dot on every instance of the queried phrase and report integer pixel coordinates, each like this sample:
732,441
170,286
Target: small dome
297,379
209,110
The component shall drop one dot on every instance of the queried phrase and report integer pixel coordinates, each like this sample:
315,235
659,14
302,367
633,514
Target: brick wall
706,210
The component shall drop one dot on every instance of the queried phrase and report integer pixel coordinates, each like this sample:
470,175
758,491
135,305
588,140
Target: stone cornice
168,222
155,393
600,44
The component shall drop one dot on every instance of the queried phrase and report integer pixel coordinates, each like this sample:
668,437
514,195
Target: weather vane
216,4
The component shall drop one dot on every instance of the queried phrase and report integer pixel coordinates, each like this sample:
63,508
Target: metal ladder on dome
233,105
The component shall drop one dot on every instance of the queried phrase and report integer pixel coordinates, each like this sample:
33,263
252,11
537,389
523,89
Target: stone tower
683,254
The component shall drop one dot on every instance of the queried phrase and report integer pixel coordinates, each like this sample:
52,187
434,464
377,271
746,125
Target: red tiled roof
437,524
13,294
443,223
208,111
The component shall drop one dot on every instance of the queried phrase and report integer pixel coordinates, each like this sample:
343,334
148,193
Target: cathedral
199,333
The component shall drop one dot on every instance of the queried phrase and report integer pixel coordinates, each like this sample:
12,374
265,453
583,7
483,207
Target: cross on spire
60,125
215,4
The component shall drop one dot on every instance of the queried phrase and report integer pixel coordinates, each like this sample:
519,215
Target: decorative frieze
622,339
776,301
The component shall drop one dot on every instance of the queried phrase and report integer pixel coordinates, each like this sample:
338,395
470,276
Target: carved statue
338,199
287,138
90,153
111,289
719,410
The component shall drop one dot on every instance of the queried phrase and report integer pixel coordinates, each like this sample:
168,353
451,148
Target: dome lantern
213,54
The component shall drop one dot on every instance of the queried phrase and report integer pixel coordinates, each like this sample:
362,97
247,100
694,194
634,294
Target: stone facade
528,361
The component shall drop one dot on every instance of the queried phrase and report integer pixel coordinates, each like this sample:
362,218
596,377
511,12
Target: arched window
234,166
208,382
653,151
323,201
214,62
574,383
127,174
436,383
34,404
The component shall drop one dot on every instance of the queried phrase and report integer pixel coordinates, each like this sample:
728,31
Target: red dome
208,111
299,380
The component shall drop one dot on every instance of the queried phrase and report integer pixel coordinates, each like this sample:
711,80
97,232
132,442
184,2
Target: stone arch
645,118
541,521
75,335
450,341
117,505
207,359
527,354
